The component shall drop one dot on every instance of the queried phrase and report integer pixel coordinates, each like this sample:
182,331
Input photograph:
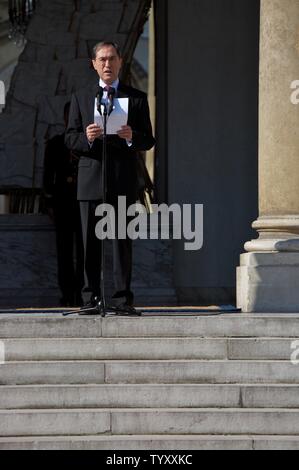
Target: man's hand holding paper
126,133
94,131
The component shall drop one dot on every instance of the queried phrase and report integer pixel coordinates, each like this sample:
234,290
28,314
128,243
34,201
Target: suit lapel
123,92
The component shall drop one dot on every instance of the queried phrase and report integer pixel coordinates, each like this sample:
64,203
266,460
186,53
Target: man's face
107,64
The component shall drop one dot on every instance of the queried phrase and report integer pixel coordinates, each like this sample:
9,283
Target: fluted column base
268,276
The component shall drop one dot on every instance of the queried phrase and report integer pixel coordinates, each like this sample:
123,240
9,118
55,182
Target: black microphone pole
108,108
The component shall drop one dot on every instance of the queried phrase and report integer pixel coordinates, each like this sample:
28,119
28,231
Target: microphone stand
101,308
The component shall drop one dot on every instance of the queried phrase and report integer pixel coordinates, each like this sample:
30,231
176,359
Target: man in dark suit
85,137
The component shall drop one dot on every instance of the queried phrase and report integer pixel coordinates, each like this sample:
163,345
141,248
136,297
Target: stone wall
54,63
28,266
207,129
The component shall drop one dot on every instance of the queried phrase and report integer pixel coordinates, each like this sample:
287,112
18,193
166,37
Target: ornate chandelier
20,13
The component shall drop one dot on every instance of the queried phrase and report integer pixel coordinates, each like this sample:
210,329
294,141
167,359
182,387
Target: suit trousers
68,237
122,255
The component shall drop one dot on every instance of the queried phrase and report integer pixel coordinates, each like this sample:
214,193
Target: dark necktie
110,90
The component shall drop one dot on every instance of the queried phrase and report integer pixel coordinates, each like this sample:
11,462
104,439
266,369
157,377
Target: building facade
218,144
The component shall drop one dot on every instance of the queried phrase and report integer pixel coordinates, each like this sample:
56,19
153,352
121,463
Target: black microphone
99,97
111,95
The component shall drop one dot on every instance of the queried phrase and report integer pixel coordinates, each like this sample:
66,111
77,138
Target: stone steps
55,349
149,421
114,349
137,396
150,442
222,326
148,372
155,382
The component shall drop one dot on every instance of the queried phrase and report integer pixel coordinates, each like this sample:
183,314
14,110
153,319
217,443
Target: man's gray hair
102,44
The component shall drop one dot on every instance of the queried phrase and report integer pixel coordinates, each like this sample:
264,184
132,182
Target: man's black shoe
92,306
93,301
127,310
121,305
123,297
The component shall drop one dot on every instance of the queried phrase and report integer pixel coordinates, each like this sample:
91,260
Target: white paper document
118,117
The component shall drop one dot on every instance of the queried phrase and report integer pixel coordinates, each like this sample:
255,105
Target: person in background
60,188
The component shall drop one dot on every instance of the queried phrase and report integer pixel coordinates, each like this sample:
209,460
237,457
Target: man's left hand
126,133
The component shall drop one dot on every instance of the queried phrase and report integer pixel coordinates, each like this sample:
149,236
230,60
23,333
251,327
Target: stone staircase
156,382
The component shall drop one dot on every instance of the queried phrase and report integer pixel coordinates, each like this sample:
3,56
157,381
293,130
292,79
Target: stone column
268,278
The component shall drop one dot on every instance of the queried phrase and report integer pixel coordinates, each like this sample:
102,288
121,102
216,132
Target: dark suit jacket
121,159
